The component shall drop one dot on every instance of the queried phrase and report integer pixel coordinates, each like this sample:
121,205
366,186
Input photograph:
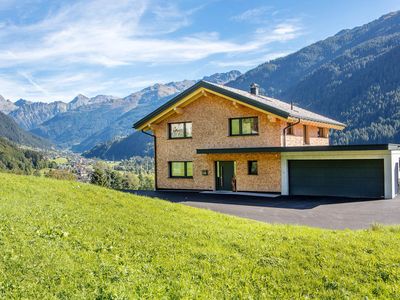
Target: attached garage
361,171
338,177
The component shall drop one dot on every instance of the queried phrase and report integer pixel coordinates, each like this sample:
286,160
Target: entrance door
225,170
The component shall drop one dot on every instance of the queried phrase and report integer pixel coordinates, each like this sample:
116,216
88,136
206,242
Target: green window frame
243,126
180,169
180,130
252,167
322,132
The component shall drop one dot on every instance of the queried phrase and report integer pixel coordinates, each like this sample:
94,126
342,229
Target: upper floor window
243,126
322,132
180,130
290,130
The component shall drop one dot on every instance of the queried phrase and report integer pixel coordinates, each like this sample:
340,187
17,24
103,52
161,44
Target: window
290,130
180,130
322,132
181,169
243,126
306,138
252,167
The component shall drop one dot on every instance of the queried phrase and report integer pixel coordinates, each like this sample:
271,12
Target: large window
243,126
180,130
181,169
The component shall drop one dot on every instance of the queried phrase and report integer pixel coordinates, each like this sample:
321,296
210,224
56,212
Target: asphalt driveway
324,212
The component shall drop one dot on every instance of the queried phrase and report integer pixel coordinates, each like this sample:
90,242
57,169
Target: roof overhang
299,149
203,88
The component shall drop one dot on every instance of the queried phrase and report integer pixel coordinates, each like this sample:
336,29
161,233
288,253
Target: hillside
16,160
132,252
135,144
10,130
352,77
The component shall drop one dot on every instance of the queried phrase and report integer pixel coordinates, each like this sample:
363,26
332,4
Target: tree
99,177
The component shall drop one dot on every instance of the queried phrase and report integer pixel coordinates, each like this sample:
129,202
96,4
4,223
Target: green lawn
61,160
70,240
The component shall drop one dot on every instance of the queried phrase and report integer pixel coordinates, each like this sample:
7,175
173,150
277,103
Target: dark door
225,173
348,178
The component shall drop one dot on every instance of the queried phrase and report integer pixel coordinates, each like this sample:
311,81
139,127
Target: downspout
285,130
155,157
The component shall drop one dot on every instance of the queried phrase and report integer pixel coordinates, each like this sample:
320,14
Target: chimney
254,89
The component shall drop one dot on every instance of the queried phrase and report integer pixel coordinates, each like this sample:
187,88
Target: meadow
64,239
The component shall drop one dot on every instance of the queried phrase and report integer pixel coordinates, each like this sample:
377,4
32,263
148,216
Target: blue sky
53,50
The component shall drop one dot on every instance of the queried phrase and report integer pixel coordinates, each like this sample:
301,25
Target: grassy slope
70,240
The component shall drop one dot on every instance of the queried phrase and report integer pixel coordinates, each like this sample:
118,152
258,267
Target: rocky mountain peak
6,106
222,78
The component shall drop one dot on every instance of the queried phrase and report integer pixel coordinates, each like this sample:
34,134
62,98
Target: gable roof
267,104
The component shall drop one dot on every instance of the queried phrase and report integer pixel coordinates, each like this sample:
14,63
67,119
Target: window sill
180,138
235,135
180,177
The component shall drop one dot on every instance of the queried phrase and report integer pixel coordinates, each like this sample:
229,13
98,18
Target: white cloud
252,15
50,57
84,33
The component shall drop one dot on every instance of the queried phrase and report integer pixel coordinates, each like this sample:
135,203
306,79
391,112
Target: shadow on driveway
323,212
288,202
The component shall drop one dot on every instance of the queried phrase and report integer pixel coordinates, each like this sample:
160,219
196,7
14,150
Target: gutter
285,130
155,157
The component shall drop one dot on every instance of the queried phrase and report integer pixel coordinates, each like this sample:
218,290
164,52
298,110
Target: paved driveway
324,212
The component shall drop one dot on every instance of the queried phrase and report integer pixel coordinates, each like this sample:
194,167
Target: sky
54,50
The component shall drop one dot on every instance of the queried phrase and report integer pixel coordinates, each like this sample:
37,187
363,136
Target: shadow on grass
289,202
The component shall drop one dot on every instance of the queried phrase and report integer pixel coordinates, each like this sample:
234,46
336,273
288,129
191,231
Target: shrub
60,174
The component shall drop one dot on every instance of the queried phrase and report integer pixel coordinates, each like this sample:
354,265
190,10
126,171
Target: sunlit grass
66,240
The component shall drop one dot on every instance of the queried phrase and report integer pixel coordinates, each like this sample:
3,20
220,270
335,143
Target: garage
337,177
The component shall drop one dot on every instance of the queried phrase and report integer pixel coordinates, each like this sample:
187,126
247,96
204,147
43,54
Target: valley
352,76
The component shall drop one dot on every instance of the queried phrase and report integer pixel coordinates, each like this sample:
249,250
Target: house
213,137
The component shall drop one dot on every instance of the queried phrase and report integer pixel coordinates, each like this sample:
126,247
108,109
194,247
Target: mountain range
353,77
10,130
85,122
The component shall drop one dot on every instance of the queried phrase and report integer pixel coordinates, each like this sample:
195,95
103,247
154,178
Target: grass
61,160
66,240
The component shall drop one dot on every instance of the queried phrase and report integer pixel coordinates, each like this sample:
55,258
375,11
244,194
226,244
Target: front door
225,170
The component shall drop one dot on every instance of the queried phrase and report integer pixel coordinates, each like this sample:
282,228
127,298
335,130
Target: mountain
353,76
222,78
135,144
10,130
31,114
79,100
6,106
85,122
72,127
17,160
147,100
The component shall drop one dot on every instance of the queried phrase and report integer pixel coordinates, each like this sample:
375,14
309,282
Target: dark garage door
348,178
